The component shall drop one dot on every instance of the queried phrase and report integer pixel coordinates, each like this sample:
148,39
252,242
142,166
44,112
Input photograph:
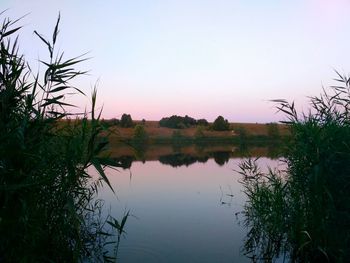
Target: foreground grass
303,213
48,210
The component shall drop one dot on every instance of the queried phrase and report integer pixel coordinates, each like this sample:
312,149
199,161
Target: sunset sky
203,58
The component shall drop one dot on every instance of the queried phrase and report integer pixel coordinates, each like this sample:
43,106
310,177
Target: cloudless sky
203,58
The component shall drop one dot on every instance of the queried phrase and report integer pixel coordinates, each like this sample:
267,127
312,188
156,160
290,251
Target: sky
202,58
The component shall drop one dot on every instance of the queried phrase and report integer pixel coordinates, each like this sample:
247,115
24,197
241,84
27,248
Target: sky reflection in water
182,214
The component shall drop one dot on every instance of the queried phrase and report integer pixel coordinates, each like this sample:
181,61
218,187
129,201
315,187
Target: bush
140,135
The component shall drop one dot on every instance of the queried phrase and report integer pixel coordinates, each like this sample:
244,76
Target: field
154,131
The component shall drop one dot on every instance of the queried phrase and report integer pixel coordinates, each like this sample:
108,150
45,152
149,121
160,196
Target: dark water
184,209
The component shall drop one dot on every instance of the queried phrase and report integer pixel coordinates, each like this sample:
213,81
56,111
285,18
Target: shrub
140,135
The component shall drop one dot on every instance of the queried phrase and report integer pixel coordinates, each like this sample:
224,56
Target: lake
185,208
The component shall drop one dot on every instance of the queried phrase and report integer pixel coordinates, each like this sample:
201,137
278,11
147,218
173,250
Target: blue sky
201,58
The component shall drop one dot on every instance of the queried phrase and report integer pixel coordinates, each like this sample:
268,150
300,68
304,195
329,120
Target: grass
155,132
303,213
48,206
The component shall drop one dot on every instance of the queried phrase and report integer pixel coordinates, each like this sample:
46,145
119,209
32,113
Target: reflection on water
189,155
125,161
296,218
178,213
180,159
190,205
183,206
221,157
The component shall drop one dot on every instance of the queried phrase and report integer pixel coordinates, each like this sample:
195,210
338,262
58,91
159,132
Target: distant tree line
173,122
125,122
179,122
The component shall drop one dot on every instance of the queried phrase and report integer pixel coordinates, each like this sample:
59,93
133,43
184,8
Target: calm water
180,213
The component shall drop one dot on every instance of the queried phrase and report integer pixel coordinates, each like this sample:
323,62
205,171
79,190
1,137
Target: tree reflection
124,161
221,157
178,159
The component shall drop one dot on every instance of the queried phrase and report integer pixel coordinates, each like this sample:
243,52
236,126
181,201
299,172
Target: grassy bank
250,133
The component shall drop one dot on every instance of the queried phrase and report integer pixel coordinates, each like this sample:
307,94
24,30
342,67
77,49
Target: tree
126,121
202,122
177,122
221,124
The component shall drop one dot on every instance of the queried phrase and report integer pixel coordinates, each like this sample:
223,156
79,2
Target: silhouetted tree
221,124
177,122
221,157
126,121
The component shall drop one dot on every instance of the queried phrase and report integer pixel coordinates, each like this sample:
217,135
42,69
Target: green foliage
177,122
273,131
202,122
126,121
242,137
110,123
46,190
177,138
304,212
140,135
221,124
199,135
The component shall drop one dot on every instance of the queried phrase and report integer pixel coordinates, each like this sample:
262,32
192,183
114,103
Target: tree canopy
126,121
221,124
179,122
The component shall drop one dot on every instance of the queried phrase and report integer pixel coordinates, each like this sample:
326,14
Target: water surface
181,213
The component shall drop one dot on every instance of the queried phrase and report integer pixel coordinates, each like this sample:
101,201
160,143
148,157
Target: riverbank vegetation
303,212
239,133
48,206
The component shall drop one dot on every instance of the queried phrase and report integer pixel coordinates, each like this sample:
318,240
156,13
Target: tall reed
46,190
303,213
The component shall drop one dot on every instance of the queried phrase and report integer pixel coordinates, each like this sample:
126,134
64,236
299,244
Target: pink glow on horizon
200,58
